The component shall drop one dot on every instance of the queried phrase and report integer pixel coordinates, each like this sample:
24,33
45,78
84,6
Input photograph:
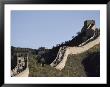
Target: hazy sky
33,29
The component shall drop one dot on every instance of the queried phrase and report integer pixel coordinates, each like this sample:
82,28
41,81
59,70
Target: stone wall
21,64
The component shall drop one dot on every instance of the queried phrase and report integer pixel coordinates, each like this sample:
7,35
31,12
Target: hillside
84,64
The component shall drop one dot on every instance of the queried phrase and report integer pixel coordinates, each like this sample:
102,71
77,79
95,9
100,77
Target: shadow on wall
92,65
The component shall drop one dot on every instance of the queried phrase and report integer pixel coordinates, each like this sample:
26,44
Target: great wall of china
21,69
63,52
72,50
62,55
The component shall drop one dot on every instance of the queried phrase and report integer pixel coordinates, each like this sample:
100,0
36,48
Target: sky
46,28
